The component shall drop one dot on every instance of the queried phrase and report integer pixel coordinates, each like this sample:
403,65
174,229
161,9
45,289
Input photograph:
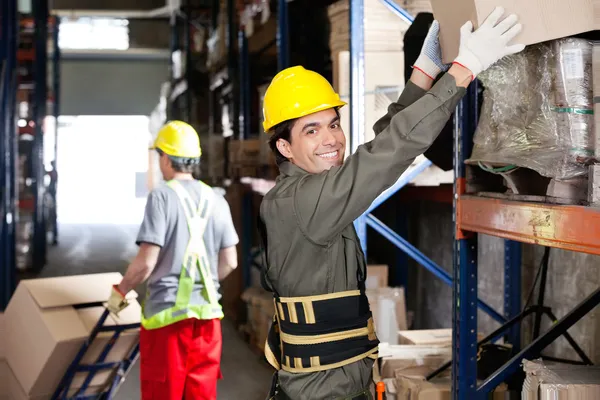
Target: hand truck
123,367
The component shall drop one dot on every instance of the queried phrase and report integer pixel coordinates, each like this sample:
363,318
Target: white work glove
430,59
489,43
117,301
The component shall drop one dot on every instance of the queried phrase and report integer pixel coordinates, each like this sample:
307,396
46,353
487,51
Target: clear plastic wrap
537,111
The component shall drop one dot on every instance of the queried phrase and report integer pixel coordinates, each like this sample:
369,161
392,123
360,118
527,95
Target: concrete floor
87,249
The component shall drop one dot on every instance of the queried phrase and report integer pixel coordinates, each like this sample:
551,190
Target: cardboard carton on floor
46,322
542,20
414,387
10,389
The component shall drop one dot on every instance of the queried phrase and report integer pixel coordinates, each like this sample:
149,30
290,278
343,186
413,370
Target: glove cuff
428,67
469,61
116,289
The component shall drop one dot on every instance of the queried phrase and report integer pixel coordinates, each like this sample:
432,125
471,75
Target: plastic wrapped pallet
537,110
549,381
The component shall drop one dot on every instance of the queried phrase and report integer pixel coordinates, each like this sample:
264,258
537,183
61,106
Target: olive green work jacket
312,247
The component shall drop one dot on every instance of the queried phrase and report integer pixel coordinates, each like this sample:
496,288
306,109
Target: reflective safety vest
195,259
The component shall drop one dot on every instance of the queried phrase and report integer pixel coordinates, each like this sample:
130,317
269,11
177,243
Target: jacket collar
289,169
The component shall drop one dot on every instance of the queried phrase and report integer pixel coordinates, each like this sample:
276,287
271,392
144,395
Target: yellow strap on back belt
318,340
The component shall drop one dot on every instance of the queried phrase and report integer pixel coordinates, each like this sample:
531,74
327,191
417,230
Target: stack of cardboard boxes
259,312
552,380
383,56
249,158
44,326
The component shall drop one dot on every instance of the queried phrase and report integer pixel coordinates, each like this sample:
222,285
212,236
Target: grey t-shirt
165,225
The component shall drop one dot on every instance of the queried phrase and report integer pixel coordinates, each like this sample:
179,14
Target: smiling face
317,142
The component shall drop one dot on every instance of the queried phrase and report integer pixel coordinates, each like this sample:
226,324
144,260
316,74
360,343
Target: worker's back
166,225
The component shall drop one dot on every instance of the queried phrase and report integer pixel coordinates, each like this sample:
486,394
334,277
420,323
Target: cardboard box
383,30
426,337
46,327
388,306
417,388
260,311
542,20
377,276
10,389
545,380
383,86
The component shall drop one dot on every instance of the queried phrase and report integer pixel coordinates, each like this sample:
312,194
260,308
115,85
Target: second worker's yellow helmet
178,139
296,92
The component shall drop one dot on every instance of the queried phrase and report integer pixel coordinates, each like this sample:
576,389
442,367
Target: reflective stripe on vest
195,258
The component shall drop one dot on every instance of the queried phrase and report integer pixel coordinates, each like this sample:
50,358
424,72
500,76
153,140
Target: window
87,33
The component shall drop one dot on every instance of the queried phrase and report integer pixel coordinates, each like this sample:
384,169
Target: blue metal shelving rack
512,221
8,148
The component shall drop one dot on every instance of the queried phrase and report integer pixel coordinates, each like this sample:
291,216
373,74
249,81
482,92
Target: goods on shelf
383,30
542,20
214,158
537,111
253,15
265,150
217,42
247,160
550,380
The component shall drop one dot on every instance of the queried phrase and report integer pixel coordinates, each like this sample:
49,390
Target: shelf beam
574,228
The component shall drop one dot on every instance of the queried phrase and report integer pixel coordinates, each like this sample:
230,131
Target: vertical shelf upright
8,148
40,70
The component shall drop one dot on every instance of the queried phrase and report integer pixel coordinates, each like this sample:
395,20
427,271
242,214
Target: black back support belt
316,333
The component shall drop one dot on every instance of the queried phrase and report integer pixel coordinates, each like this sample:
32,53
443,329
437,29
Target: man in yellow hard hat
186,246
323,342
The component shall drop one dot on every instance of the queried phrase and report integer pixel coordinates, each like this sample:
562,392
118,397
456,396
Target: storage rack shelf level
557,226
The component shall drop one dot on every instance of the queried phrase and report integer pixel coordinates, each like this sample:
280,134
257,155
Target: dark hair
283,131
182,164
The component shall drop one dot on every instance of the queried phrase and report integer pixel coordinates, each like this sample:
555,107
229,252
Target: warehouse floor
87,249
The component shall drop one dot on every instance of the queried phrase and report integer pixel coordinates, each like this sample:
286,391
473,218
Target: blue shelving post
512,289
283,42
357,95
40,66
464,339
8,148
56,57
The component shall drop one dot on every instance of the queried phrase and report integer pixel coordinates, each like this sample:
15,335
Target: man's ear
284,148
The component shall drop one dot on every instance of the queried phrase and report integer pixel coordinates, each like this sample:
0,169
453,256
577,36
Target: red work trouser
181,361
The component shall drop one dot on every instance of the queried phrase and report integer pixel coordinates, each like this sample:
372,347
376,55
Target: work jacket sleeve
410,94
328,202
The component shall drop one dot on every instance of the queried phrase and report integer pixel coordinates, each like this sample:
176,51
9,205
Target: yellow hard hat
296,92
178,139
